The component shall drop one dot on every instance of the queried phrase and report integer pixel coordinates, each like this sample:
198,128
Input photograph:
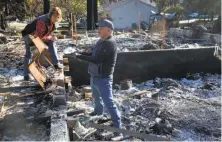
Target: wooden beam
71,20
74,23
139,19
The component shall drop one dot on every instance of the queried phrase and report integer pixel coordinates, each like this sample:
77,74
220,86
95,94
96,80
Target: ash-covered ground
185,109
188,109
134,42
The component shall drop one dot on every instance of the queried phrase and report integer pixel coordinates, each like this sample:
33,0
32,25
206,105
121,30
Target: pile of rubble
134,42
12,55
185,109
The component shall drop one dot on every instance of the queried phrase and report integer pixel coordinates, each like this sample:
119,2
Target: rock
61,36
88,96
166,46
65,32
166,83
126,84
162,126
157,41
150,46
208,86
132,31
59,99
202,129
86,90
176,132
217,132
3,40
118,33
192,76
143,33
198,31
201,28
136,35
155,96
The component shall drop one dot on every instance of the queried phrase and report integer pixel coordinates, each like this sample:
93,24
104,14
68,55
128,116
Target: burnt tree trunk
3,23
217,25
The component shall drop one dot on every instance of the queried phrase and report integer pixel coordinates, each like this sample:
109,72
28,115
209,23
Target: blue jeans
52,50
102,93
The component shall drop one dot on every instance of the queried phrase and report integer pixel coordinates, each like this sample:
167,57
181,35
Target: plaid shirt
41,29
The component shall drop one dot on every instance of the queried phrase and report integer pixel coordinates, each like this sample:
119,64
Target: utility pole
92,14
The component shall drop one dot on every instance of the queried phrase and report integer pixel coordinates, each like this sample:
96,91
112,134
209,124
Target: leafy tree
171,9
163,4
34,7
78,7
203,6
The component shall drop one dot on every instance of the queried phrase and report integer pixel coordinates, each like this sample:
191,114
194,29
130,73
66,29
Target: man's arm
104,53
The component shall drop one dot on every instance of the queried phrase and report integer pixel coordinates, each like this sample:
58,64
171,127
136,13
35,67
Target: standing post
139,21
74,22
71,20
95,12
46,6
90,14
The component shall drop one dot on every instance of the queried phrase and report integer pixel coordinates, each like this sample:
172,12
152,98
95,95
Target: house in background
125,13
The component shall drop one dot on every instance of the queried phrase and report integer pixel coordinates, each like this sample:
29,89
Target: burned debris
166,85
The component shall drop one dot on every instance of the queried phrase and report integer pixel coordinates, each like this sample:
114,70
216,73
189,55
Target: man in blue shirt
102,61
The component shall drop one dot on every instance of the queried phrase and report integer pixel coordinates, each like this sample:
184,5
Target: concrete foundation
144,65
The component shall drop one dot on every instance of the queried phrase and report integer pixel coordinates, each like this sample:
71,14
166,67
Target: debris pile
185,109
23,116
12,55
129,42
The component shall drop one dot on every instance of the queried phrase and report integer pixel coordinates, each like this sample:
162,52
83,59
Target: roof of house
116,5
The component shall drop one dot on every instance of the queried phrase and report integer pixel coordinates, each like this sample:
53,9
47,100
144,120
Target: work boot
58,66
26,78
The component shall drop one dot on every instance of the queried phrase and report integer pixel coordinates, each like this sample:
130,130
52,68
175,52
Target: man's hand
46,47
75,54
51,37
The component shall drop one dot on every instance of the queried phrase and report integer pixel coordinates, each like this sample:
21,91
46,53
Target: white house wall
123,16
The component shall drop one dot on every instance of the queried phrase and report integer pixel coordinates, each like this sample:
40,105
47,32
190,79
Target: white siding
124,15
